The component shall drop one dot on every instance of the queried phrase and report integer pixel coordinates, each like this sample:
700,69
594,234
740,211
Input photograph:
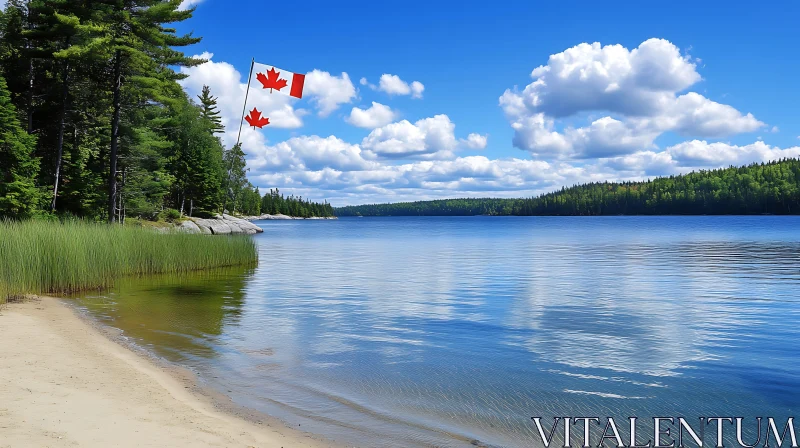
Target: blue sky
666,89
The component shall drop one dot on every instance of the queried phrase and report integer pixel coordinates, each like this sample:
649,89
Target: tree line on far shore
759,188
94,122
251,203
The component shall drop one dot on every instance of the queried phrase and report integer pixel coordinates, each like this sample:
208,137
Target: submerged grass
38,257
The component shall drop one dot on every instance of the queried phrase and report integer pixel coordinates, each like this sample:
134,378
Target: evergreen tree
142,51
197,161
210,111
60,39
18,193
236,177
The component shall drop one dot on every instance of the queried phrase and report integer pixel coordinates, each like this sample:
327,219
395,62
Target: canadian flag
277,80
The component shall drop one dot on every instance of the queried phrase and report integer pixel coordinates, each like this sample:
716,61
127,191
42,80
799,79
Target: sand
63,382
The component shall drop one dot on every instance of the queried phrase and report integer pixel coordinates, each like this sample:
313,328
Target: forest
762,188
94,123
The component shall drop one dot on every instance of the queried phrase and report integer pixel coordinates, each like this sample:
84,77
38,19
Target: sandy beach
65,383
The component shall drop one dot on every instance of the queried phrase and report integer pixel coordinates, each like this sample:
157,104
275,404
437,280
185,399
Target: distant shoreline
282,217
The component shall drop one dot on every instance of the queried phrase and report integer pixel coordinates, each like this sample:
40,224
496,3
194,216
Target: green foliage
75,255
19,196
210,112
96,83
196,161
249,202
236,175
274,203
169,215
765,188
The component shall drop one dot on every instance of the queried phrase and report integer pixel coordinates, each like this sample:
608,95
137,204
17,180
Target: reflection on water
441,331
177,316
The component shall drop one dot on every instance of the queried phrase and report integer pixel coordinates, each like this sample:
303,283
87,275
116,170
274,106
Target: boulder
223,225
189,226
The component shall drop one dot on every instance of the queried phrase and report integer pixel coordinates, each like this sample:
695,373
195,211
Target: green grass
38,257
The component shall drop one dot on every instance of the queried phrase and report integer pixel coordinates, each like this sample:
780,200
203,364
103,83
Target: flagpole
247,93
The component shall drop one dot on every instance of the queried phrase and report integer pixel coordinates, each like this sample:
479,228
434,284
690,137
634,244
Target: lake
439,331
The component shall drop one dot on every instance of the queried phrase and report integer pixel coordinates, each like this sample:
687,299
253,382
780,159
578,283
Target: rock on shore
220,225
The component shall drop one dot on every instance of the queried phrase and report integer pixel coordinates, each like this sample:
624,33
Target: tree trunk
30,72
64,92
112,173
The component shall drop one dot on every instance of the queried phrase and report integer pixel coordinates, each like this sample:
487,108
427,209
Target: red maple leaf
256,120
271,80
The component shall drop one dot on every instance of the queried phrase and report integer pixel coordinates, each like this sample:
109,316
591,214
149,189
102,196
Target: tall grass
38,257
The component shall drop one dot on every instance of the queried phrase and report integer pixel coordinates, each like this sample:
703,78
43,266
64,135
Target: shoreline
71,381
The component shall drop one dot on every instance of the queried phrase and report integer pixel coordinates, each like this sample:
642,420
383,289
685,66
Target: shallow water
448,331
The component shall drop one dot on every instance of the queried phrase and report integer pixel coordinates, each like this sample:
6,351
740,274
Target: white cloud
638,87
475,141
228,85
416,89
775,130
363,81
310,153
329,92
699,153
604,137
694,115
393,85
349,174
185,4
695,155
610,78
427,138
376,116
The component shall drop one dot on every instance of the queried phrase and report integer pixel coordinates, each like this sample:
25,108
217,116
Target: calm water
449,331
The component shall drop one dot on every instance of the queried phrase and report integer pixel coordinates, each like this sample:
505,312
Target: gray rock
189,227
226,224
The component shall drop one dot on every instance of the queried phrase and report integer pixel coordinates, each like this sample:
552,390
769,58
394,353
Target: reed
38,257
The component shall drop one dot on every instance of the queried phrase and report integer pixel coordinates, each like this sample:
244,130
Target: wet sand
66,383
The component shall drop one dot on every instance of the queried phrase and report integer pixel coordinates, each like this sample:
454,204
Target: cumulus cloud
349,173
639,88
374,117
610,78
427,138
475,141
604,137
696,155
699,153
329,92
393,85
310,153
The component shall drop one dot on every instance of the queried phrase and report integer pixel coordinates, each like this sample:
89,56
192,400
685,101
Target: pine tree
236,178
210,111
19,196
197,160
142,52
60,39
